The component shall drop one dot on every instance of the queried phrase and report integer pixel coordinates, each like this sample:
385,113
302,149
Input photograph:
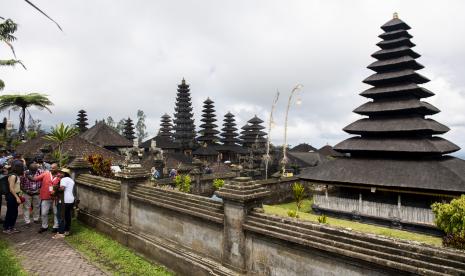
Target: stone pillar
399,207
129,176
196,175
239,196
360,202
79,166
237,170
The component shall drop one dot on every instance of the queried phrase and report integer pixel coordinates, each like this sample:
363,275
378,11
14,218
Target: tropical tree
7,28
120,126
59,135
140,126
22,103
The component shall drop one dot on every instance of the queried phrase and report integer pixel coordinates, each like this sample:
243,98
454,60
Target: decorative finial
183,81
395,15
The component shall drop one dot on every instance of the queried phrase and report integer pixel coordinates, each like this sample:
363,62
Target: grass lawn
281,210
109,254
9,265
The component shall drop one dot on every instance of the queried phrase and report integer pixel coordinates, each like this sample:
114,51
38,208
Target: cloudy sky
115,57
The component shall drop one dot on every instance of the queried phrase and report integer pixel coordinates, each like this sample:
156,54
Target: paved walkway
39,254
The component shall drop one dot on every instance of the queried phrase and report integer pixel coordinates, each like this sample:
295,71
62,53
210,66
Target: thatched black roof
328,151
229,131
396,123
304,147
105,136
305,159
395,146
184,128
208,132
205,151
252,133
76,147
162,142
442,174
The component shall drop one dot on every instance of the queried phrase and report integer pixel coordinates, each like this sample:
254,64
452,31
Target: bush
299,193
292,214
450,217
218,183
183,183
100,166
322,219
456,241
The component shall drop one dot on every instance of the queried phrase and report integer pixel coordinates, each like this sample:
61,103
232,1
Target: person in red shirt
49,180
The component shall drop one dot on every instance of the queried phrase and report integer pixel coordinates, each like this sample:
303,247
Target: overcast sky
115,57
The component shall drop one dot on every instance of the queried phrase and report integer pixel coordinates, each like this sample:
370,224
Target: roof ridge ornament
395,15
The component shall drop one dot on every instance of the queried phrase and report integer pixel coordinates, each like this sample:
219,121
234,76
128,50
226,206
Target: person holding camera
31,190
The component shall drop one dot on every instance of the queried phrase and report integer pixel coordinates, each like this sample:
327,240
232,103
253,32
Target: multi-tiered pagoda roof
209,134
82,121
128,130
164,138
252,133
166,126
184,128
229,131
396,144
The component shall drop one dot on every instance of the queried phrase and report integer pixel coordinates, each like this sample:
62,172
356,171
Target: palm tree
60,134
22,103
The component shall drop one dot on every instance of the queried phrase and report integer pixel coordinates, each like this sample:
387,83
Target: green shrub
450,217
322,219
292,214
299,193
218,183
183,183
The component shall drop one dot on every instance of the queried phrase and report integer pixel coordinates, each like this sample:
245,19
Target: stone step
169,204
335,248
426,259
415,263
180,195
446,254
161,196
99,186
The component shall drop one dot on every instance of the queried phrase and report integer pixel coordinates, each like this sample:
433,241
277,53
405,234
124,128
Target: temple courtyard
194,139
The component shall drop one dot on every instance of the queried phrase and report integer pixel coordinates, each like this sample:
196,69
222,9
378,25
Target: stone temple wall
194,235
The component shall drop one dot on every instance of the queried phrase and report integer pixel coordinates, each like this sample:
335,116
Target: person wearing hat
49,179
65,204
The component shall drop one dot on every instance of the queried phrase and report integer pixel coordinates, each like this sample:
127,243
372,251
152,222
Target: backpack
4,186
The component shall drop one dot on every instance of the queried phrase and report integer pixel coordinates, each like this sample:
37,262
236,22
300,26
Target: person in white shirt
67,186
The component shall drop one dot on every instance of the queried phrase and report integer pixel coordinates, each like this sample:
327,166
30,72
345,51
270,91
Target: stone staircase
98,182
398,255
190,204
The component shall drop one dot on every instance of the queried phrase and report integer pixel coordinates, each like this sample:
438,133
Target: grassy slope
281,210
9,265
109,254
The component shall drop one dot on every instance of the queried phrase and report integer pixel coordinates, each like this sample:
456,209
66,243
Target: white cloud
115,57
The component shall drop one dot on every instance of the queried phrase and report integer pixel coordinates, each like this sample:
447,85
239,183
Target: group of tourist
40,188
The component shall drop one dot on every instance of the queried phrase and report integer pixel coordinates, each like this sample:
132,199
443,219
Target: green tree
450,217
22,103
59,135
140,126
110,122
120,126
7,28
218,183
183,183
299,194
